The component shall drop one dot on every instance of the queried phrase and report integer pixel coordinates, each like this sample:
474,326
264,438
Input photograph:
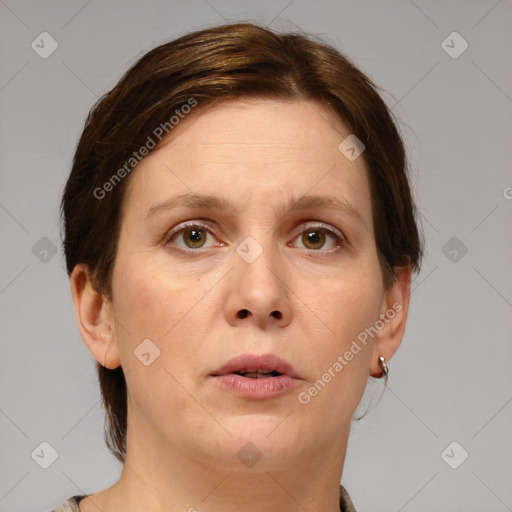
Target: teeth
260,374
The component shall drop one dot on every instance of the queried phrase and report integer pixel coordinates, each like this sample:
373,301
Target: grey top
71,504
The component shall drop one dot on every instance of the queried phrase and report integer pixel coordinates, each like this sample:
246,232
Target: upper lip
253,363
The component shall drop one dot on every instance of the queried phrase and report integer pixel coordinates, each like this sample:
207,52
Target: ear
94,319
395,307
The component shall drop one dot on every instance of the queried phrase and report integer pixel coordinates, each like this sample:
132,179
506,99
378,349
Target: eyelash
337,235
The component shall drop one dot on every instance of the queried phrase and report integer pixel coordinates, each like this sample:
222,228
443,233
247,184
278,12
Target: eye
193,235
316,237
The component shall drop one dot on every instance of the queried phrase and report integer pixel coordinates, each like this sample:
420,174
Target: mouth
257,377
259,374
251,366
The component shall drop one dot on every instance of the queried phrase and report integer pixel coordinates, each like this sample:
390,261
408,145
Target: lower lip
256,389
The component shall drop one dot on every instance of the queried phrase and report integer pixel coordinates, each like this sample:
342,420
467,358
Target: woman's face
196,284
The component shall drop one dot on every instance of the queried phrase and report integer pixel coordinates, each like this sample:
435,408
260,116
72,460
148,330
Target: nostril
244,313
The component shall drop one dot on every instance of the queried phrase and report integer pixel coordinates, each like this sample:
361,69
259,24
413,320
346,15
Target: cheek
150,304
155,307
344,305
341,362
174,311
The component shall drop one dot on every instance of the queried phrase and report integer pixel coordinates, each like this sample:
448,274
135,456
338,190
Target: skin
184,432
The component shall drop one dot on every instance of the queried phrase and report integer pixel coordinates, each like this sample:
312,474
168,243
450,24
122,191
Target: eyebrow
219,203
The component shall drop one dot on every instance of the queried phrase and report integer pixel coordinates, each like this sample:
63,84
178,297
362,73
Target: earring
384,366
105,360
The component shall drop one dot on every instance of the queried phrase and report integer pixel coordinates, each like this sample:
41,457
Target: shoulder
346,504
70,505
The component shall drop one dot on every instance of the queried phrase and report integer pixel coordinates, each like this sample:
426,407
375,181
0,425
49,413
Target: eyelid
340,238
189,224
336,233
327,227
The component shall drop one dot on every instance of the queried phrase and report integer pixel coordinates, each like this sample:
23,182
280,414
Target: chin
269,433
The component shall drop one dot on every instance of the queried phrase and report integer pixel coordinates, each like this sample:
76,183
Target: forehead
263,128
252,148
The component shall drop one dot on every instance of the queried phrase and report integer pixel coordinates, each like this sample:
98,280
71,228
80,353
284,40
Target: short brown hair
224,62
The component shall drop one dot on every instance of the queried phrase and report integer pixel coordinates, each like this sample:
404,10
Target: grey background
450,380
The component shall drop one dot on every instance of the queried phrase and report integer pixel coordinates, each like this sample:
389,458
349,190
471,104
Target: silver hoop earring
384,366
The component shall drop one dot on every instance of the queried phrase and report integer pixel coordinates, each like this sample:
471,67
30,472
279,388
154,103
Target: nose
257,292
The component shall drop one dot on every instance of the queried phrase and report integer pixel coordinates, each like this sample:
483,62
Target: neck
170,478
